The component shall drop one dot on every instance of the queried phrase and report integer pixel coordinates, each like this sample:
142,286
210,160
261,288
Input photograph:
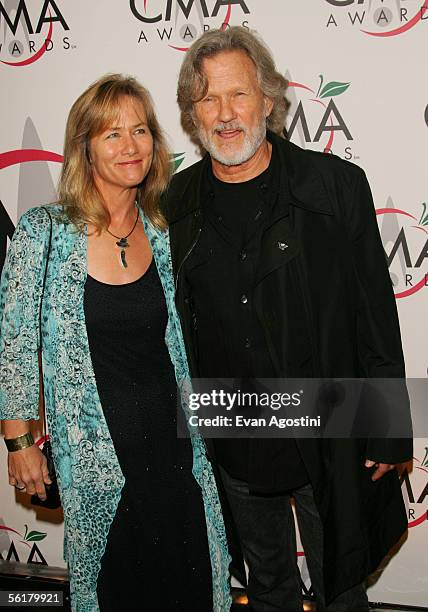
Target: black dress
157,550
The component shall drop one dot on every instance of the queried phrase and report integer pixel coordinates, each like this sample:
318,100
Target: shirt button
244,299
247,343
243,255
220,218
263,186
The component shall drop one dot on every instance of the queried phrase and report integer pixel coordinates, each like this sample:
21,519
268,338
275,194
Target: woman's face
122,154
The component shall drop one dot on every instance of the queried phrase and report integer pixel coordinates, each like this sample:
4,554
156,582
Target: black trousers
267,534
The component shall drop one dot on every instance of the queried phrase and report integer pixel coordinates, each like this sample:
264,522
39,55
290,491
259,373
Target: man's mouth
228,134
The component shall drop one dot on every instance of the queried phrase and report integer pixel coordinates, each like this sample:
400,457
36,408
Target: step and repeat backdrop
358,89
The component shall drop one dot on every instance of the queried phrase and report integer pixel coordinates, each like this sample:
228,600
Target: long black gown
157,550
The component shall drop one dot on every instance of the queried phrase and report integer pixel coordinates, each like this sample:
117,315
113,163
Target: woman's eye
140,131
113,135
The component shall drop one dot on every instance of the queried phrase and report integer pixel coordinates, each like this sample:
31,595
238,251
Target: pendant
122,243
123,259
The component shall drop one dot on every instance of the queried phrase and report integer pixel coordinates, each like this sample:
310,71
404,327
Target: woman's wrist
13,428
17,434
20,442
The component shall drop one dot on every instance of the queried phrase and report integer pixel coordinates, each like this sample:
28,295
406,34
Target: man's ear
268,106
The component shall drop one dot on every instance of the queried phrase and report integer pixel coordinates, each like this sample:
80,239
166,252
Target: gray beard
252,143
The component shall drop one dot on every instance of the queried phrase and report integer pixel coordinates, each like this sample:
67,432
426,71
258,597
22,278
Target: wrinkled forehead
226,69
229,59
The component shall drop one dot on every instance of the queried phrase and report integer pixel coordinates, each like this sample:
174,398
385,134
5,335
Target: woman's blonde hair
193,84
95,110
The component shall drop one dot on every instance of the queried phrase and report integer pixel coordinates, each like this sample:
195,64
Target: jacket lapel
278,248
300,186
305,185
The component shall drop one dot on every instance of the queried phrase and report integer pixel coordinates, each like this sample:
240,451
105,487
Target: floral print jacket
88,470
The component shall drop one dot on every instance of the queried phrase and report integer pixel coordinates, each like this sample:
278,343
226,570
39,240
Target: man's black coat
327,309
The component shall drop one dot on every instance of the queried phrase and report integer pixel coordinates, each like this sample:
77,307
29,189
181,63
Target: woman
133,513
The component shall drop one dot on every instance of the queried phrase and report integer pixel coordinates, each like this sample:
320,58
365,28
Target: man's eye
208,99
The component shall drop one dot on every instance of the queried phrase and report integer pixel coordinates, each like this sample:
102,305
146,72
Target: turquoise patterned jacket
88,470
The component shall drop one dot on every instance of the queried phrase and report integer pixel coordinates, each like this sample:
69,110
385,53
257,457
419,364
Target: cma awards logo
378,18
178,23
21,547
26,31
316,120
405,240
414,485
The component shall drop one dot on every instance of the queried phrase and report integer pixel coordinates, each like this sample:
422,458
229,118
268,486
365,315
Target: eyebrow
133,126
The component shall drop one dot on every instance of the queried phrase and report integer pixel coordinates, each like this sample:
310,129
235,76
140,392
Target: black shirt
221,274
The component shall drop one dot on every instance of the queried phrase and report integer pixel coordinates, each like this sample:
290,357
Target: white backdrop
357,70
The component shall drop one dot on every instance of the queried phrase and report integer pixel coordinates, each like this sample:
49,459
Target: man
280,272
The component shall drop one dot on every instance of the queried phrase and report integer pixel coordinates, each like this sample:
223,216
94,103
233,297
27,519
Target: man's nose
226,111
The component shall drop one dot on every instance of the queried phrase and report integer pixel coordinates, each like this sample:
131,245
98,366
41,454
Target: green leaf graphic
334,88
176,160
425,460
424,217
35,536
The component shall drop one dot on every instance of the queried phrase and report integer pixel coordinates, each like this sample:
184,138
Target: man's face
231,117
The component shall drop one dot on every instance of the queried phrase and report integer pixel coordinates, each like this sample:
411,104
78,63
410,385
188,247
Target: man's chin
227,154
235,153
230,159
228,162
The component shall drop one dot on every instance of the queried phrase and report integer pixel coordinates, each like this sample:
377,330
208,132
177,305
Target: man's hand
28,471
381,468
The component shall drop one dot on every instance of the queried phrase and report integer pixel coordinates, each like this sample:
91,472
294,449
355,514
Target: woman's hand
28,471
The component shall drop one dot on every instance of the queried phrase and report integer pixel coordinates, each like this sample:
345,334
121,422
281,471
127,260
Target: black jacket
327,308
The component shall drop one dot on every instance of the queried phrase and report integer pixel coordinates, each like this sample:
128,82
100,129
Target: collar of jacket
301,185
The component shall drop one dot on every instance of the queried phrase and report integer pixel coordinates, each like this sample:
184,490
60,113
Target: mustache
231,125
